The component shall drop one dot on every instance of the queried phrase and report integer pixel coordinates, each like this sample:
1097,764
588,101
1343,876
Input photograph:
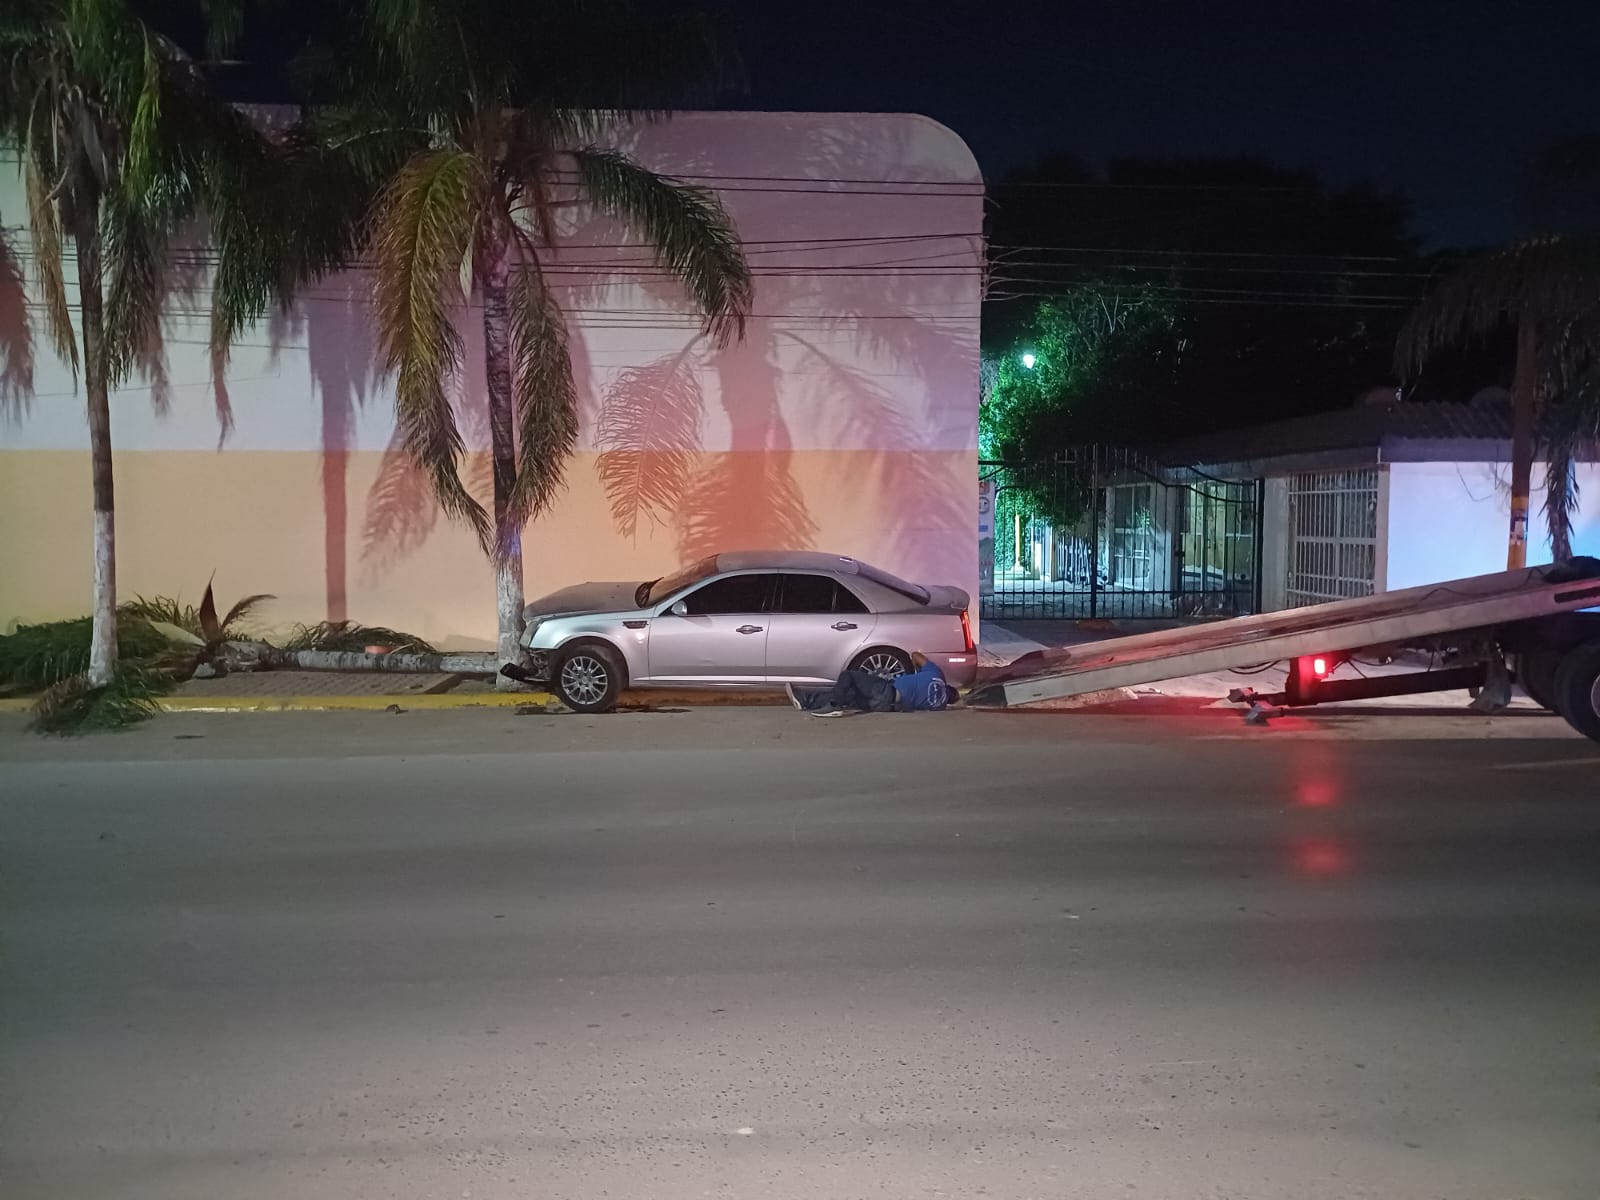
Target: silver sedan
742,620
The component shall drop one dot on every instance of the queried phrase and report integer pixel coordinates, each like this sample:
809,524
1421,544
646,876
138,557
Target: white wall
1449,520
846,421
1274,564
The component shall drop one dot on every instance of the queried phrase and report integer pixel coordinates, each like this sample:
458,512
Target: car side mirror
680,609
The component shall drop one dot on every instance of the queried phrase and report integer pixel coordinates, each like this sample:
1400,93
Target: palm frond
144,129
422,230
224,25
648,438
546,400
353,638
244,608
35,656
16,336
1535,276
133,251
44,229
691,233
1569,368
73,706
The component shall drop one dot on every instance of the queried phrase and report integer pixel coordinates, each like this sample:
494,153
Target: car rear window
911,591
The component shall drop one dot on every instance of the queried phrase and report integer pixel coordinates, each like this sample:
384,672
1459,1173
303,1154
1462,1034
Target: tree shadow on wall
341,358
863,339
16,341
818,347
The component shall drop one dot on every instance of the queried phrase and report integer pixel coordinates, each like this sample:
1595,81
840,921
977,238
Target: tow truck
1528,626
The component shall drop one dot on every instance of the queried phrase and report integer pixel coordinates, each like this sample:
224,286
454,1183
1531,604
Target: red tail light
966,633
1319,667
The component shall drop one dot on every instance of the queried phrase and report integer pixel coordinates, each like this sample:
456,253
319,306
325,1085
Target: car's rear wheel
883,661
588,677
1577,689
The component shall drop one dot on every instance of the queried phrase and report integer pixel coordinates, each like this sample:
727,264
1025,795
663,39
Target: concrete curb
423,702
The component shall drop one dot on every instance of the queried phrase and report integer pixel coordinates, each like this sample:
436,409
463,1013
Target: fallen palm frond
40,656
199,620
351,637
71,706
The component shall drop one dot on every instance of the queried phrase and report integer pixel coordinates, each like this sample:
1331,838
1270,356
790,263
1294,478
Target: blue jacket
922,691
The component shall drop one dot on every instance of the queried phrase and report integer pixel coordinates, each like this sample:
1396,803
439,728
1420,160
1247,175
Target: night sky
1443,100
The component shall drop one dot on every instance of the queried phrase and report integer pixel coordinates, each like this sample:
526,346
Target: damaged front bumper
534,669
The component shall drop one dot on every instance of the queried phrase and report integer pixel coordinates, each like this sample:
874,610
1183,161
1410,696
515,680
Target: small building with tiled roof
1385,495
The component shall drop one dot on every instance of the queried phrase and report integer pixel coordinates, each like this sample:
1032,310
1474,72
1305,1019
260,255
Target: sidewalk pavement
314,691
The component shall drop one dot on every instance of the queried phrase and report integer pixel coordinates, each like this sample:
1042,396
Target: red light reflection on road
1317,792
1318,857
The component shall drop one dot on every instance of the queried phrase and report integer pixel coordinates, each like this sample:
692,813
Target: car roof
787,560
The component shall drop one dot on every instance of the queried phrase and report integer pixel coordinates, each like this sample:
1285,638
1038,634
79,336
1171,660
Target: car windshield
678,580
911,591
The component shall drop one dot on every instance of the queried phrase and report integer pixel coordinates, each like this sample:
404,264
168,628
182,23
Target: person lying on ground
922,689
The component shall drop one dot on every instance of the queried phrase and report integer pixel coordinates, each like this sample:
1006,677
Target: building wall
845,421
1449,520
1275,545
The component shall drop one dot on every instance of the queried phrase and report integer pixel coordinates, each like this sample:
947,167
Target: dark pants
854,689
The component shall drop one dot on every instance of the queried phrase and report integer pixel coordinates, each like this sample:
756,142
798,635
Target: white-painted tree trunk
503,437
103,637
96,368
508,611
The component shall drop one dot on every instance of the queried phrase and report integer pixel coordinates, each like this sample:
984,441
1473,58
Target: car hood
584,598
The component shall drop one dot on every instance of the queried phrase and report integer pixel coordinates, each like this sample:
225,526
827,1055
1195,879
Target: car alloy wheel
585,678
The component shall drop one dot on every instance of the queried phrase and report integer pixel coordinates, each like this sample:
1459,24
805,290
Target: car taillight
966,633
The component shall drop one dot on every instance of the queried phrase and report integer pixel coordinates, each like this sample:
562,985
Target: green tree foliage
1288,291
1094,353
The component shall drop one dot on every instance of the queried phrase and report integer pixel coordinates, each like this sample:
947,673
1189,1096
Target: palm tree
122,142
1545,286
483,121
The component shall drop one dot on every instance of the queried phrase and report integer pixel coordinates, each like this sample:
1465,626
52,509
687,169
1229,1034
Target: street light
1028,359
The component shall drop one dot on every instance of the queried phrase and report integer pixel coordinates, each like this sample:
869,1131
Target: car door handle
841,626
749,629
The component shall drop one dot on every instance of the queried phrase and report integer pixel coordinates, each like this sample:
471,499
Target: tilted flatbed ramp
1391,618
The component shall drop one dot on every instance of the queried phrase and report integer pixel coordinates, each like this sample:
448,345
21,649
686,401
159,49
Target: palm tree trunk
1524,397
503,447
96,368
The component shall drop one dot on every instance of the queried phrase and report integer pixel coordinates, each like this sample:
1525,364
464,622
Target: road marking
1548,762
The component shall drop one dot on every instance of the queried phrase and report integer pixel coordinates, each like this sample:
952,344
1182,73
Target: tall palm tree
122,142
1546,286
483,121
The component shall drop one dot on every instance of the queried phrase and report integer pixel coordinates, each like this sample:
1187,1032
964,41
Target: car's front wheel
588,677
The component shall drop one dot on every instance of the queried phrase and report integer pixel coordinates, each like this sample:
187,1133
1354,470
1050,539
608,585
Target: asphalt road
751,954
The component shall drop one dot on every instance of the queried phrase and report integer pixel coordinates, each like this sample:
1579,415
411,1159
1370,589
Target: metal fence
1105,532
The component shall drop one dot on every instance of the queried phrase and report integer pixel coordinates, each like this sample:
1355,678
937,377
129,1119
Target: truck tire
1536,672
1577,689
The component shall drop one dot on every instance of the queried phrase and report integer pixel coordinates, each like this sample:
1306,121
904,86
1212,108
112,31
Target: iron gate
1106,532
